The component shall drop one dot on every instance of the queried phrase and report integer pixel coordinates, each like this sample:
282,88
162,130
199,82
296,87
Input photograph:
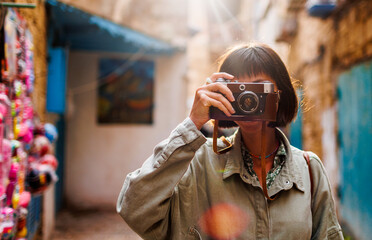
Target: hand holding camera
215,94
231,100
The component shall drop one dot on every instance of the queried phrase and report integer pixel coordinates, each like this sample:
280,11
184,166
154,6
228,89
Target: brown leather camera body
253,102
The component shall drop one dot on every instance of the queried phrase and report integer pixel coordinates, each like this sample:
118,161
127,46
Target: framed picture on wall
125,91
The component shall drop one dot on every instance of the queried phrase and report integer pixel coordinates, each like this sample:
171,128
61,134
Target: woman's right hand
212,94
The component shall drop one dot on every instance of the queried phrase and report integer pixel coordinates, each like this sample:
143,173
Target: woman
186,191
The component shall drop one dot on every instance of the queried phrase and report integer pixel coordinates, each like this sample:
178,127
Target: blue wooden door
355,148
56,100
295,131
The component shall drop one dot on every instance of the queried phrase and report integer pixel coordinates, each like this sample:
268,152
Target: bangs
250,62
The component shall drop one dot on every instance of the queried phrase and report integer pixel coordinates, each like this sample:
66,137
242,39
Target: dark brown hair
255,58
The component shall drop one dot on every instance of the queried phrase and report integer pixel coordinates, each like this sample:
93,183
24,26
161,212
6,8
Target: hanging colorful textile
27,163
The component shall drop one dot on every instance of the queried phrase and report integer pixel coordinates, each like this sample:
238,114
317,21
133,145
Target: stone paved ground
91,225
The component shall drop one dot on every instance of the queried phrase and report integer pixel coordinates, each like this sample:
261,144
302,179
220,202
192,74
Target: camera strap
224,140
263,160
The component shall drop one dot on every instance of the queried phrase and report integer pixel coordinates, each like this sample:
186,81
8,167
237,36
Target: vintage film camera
253,102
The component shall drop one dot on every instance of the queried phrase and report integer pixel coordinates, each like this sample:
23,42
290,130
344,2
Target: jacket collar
288,177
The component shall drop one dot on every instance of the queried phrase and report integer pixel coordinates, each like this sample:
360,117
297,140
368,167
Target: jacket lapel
289,175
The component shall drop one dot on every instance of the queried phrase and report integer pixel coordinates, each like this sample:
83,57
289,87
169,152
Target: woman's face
253,126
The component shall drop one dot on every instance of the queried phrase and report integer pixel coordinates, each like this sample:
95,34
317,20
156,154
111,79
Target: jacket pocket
193,234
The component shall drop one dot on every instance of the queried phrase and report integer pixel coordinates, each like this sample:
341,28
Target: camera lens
248,102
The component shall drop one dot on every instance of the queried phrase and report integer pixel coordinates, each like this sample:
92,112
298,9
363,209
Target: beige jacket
167,196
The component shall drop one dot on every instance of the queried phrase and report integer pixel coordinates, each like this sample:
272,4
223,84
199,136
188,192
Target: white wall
100,156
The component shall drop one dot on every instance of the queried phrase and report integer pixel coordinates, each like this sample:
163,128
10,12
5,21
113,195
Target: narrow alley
89,88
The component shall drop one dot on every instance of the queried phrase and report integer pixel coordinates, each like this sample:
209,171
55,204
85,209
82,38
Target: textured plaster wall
100,156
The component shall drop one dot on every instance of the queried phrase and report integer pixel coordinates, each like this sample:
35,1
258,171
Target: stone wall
353,34
307,62
320,50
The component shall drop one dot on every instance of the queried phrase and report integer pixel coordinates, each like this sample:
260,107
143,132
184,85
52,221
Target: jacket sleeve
145,198
325,223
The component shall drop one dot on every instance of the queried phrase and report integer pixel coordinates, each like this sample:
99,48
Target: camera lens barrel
248,102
